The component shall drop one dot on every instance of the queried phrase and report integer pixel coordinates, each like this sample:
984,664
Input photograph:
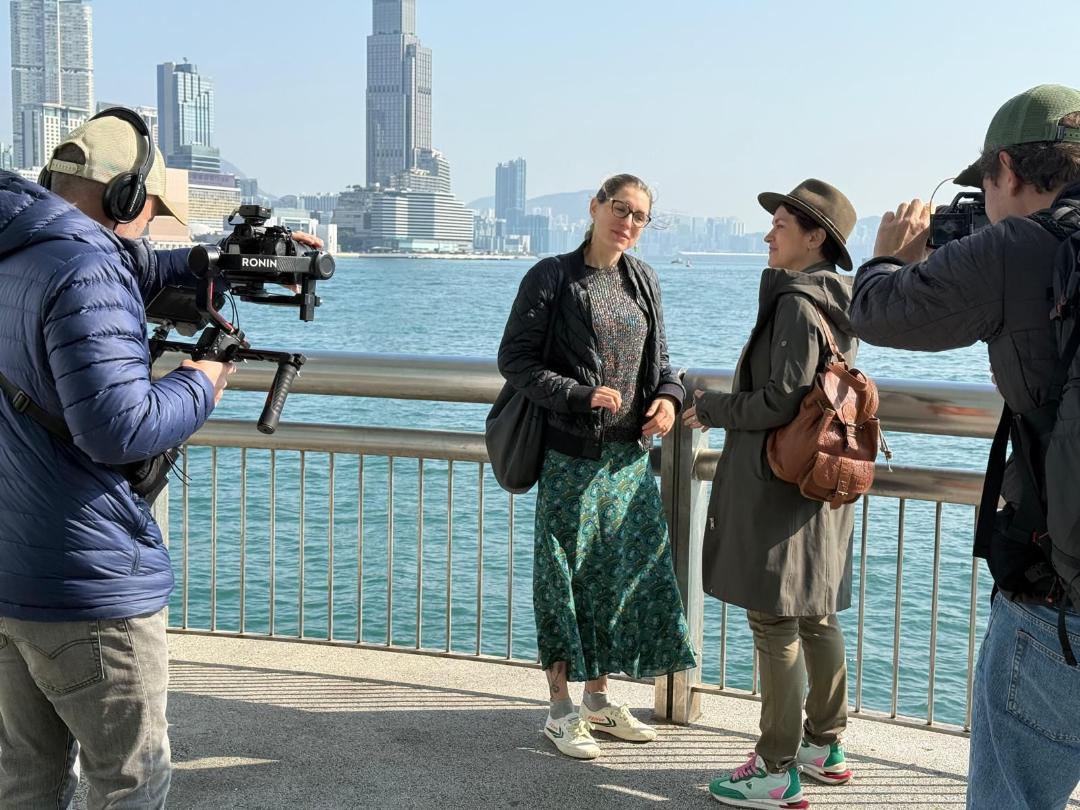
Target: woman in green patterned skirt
585,340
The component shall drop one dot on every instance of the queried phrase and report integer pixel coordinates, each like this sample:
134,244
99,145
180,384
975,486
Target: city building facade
52,71
510,189
44,127
420,221
352,216
212,198
186,117
398,92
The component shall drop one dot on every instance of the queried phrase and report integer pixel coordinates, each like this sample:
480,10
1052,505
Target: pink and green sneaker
751,785
825,763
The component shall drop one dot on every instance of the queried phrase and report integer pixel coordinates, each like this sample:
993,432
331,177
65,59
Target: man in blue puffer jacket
84,575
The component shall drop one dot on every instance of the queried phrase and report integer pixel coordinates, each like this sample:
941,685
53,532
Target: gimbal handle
288,368
214,346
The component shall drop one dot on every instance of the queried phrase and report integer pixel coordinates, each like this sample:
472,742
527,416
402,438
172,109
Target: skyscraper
398,92
186,117
510,189
52,72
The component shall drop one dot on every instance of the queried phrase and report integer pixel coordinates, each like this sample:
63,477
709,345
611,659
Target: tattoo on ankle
556,676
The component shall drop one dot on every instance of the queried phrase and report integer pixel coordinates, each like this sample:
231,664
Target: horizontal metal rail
950,409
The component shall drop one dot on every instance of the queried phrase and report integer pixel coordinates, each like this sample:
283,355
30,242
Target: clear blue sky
710,100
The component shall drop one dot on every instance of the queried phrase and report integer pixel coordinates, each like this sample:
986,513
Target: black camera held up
248,259
962,217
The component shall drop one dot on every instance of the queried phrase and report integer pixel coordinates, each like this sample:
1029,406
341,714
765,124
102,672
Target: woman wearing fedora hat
784,558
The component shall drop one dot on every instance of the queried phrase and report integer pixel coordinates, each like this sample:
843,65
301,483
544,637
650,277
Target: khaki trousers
790,651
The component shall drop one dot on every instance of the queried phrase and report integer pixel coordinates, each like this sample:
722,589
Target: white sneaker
618,722
571,736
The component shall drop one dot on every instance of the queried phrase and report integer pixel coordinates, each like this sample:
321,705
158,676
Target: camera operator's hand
903,233
216,372
307,239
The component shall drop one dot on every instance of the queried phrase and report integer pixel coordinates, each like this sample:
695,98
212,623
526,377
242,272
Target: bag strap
824,323
22,403
995,476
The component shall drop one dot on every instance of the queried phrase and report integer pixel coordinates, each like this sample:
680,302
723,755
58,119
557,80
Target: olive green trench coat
766,547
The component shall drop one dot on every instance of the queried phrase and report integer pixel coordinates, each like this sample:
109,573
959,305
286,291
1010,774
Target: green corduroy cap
1031,117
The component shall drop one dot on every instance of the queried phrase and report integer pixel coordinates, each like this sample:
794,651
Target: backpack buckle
20,401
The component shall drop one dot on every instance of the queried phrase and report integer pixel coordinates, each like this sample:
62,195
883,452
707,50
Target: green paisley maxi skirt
604,589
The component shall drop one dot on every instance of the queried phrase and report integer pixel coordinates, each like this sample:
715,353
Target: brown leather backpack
830,447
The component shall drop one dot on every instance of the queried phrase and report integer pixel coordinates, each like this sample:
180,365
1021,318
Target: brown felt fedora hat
823,203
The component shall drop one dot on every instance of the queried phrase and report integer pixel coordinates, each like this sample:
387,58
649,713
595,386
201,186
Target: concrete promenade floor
269,724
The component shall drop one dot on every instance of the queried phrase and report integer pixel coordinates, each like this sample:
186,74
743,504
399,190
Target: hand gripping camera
962,217
248,259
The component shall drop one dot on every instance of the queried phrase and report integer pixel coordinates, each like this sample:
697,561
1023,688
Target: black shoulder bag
515,426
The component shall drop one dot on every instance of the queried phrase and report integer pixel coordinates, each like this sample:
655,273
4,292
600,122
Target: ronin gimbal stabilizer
251,257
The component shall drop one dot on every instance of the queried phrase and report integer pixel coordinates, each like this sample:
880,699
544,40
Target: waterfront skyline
703,112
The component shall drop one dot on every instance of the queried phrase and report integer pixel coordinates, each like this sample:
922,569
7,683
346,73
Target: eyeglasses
622,211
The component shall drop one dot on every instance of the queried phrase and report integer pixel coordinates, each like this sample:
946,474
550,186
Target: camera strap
22,403
147,478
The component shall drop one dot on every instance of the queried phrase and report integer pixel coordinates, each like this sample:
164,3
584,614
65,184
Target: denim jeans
1025,729
92,691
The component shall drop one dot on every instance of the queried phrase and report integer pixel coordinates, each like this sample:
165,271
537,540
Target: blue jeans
1025,729
89,692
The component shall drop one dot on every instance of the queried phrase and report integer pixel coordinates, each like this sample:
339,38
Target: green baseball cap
1031,117
112,147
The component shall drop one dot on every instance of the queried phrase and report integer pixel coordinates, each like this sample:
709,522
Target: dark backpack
1020,552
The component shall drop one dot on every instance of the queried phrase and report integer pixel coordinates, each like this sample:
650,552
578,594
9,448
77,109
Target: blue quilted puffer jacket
75,542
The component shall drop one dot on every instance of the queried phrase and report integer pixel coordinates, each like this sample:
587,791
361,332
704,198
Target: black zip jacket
554,294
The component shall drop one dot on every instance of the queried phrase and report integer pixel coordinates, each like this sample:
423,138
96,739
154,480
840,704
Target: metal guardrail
685,466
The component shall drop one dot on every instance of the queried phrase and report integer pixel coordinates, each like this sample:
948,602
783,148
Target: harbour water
450,307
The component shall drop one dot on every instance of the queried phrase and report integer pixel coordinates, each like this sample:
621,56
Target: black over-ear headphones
125,194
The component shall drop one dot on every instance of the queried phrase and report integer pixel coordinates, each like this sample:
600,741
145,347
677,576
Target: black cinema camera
962,217
248,259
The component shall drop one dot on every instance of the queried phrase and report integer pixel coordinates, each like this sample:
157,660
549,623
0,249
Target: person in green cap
785,558
993,286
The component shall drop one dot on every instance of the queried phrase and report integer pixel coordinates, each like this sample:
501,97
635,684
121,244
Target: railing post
160,512
686,505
